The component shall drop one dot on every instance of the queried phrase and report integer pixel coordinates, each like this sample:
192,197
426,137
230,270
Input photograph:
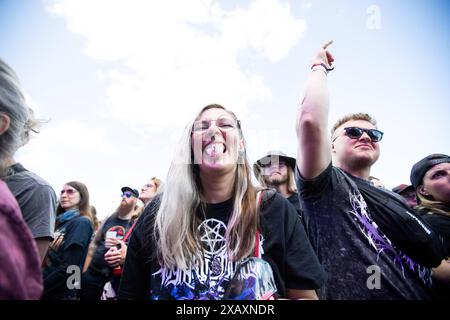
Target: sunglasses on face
224,124
355,133
269,165
69,192
127,194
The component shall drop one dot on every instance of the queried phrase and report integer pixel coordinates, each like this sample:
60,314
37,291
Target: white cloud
307,5
169,58
72,136
72,150
159,62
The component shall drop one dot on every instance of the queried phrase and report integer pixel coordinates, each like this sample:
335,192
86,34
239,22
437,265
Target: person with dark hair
211,233
111,234
96,225
95,221
430,177
69,248
36,198
370,242
276,170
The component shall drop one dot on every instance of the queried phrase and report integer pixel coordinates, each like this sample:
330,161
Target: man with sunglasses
111,233
341,207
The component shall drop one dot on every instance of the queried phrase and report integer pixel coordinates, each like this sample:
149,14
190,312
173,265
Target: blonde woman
194,238
149,190
430,178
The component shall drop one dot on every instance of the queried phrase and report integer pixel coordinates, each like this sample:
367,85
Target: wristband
323,65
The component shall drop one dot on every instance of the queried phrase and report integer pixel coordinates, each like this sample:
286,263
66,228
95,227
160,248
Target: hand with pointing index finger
325,57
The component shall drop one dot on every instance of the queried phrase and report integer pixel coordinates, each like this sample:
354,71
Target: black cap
133,191
421,167
403,187
273,157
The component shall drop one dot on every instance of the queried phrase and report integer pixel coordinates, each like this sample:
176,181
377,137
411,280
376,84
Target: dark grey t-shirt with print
37,200
360,261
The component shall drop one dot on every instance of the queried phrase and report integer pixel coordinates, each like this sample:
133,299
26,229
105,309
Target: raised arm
314,149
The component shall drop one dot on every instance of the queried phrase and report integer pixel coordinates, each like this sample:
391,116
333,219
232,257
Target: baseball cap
274,156
421,167
133,191
403,187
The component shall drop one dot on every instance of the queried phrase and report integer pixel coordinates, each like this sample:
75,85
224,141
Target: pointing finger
325,46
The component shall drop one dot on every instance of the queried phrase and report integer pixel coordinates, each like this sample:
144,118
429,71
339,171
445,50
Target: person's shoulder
82,221
147,217
25,174
428,214
267,196
272,202
27,185
153,206
8,204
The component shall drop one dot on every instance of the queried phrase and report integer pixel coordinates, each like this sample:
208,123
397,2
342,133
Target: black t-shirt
113,227
284,245
71,236
352,249
295,201
441,224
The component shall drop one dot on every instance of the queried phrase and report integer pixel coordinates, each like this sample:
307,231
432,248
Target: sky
117,80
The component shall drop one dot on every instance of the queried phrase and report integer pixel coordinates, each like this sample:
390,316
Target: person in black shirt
343,211
430,177
276,170
111,233
69,248
202,238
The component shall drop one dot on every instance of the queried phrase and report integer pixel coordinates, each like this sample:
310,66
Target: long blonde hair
291,186
176,221
432,206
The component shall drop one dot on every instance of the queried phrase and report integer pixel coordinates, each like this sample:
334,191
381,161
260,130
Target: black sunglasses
355,133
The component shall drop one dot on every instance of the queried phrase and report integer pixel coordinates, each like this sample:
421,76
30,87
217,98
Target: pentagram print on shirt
208,278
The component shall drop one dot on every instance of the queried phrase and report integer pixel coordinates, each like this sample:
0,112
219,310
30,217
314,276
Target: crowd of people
316,226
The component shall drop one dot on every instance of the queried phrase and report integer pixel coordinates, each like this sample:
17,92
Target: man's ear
422,191
4,123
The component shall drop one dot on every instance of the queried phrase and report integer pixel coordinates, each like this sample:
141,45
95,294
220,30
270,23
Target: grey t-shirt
36,198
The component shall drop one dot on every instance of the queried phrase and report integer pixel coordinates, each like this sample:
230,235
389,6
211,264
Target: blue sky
117,80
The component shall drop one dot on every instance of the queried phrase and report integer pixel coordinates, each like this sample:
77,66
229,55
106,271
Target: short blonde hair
157,182
354,116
